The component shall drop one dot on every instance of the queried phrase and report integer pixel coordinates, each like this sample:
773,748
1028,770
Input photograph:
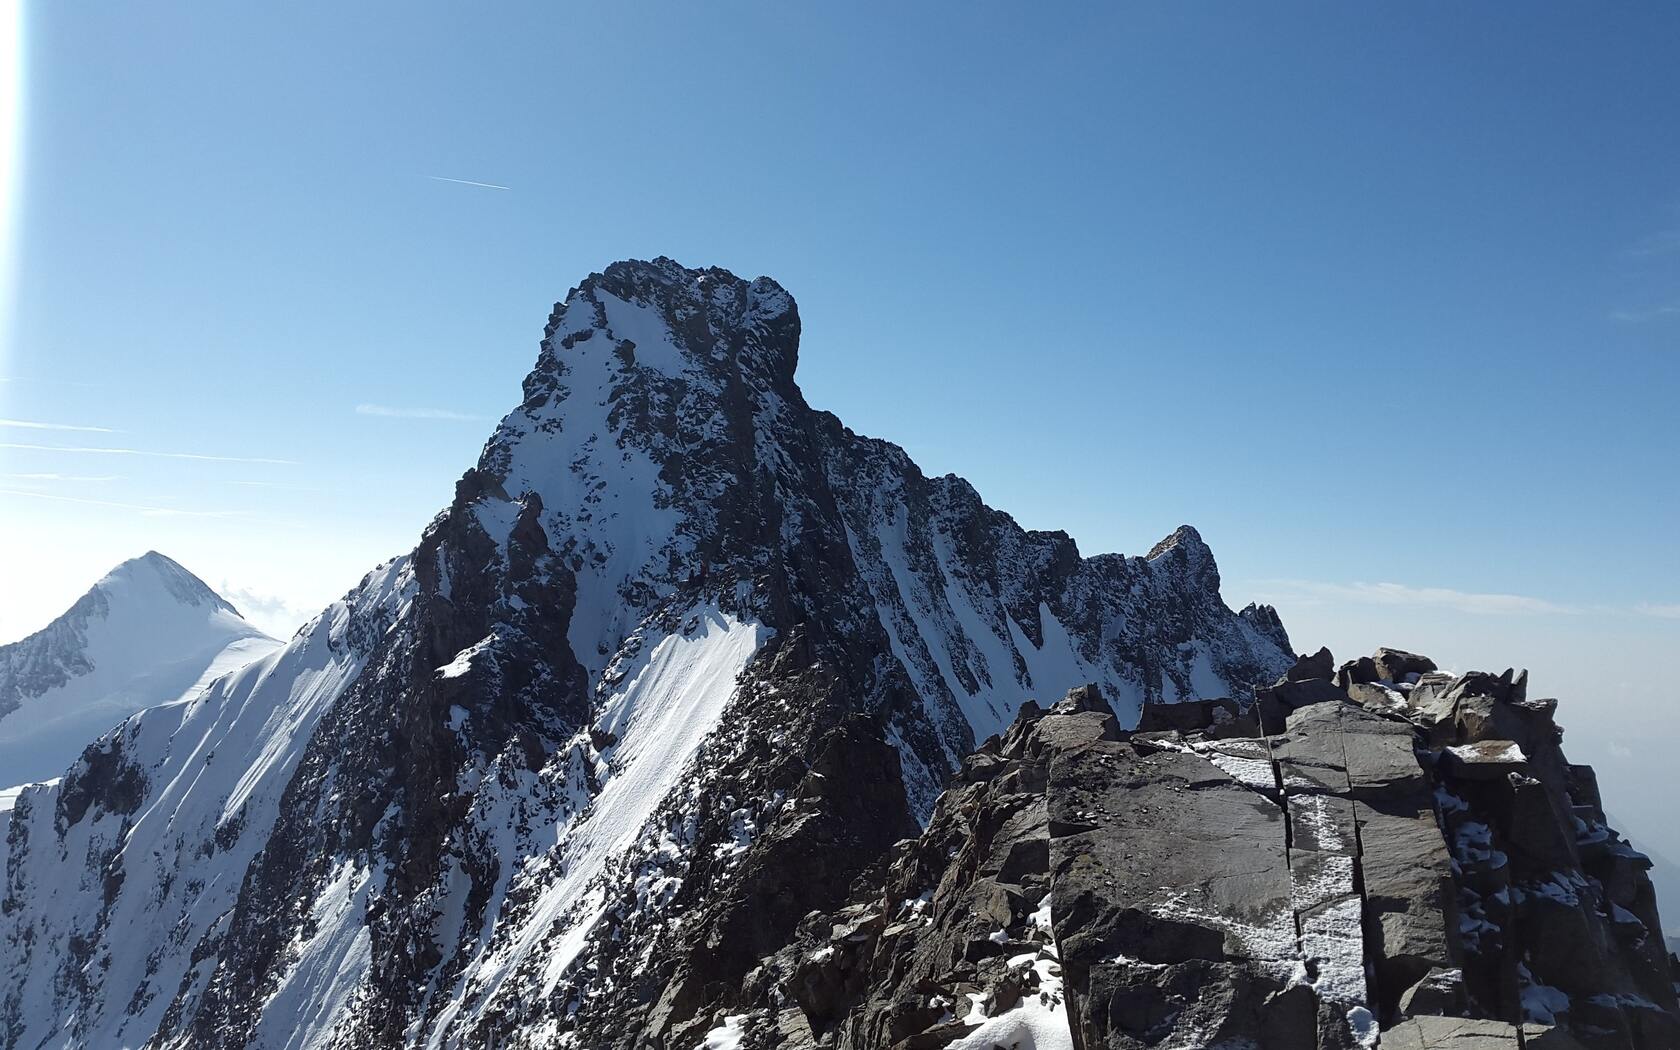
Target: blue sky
1384,299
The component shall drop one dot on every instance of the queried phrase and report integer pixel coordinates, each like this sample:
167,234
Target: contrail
27,424
143,452
468,182
60,477
388,412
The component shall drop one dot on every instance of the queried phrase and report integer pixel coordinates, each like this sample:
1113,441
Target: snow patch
662,706
726,1036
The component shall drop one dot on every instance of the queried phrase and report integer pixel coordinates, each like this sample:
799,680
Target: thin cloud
49,382
278,485
97,451
388,412
1641,316
468,182
29,424
1663,242
255,603
1319,592
1362,593
48,476
170,512
279,616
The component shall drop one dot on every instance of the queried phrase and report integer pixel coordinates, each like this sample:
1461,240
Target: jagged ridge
1395,857
504,793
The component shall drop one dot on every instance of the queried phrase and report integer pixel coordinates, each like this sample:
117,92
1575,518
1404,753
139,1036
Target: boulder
1484,760
1377,698
1082,698
1357,672
1440,992
1394,665
1320,665
1217,718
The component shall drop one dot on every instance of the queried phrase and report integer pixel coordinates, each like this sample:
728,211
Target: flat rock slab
1450,1033
1409,888
1485,760
1321,823
1171,893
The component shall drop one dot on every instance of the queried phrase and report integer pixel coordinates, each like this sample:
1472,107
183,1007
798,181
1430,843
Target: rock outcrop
1410,865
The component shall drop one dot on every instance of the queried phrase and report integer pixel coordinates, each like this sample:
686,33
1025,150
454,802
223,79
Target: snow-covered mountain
682,657
148,633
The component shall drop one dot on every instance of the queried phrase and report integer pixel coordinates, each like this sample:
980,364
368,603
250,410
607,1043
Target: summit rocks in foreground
681,657
1388,857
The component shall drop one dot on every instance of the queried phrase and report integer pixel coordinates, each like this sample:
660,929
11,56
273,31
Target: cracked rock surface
1348,861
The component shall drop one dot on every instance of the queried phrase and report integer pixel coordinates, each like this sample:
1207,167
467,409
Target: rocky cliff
680,659
1373,855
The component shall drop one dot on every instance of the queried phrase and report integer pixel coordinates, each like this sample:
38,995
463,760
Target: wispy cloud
28,424
388,412
1320,592
1402,594
1641,316
49,382
49,476
468,182
141,508
277,485
1663,242
252,602
100,451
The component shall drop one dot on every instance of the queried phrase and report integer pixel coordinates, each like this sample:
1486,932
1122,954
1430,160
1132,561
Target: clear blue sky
1371,294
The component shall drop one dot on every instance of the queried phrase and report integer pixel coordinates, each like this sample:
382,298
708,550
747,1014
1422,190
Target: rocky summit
697,720
1375,855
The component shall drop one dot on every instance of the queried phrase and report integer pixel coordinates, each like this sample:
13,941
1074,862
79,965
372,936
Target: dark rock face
1350,878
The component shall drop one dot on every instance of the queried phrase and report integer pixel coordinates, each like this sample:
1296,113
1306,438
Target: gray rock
1394,665
1450,1033
1437,993
1485,760
1357,672
1320,665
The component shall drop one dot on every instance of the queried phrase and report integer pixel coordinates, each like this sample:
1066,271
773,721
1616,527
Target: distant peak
153,572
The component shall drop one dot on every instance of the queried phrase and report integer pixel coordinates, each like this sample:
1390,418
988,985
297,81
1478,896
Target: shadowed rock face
1351,860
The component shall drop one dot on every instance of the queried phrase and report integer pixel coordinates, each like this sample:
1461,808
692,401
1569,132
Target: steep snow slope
505,792
177,800
148,633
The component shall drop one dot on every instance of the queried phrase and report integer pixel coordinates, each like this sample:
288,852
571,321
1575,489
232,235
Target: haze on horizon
1388,307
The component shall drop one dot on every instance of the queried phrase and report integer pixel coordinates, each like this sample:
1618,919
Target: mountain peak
674,319
153,575
671,603
1184,537
146,634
